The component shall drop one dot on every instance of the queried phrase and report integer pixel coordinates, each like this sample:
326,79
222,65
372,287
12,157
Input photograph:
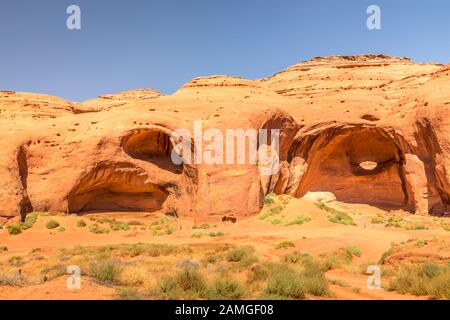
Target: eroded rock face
366,129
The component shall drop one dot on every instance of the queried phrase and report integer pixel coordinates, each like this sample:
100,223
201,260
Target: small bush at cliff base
14,229
81,223
52,224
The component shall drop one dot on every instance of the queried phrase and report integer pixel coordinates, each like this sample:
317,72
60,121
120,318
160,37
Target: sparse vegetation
285,245
52,224
98,230
197,234
225,289
106,271
301,219
336,216
429,279
81,223
216,234
3,248
14,229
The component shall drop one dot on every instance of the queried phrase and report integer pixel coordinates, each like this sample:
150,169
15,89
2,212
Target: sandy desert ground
153,247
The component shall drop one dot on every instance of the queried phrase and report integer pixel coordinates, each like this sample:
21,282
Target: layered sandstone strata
369,129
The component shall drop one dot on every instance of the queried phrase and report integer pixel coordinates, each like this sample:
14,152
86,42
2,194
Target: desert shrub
276,210
106,271
216,234
15,261
377,220
197,234
394,221
186,283
296,257
117,225
98,230
286,284
301,219
257,273
428,279
54,272
81,223
276,221
226,289
239,254
190,279
440,286
12,279
211,259
61,229
285,245
269,198
353,251
14,229
3,248
134,223
263,216
52,224
127,294
336,216
29,221
342,218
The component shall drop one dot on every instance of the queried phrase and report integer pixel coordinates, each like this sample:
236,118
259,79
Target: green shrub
377,220
106,271
269,198
353,251
30,220
285,284
336,215
296,257
52,224
14,229
187,283
134,223
276,210
197,234
301,219
226,289
342,218
276,221
15,261
257,273
238,254
98,230
81,223
428,279
117,225
285,245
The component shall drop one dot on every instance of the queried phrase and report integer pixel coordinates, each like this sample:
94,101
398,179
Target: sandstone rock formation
369,129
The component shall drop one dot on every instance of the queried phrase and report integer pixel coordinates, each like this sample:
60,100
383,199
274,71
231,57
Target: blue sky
162,44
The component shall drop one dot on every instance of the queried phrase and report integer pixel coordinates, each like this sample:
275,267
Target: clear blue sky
162,44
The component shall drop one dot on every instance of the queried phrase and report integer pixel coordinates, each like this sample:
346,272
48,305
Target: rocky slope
370,129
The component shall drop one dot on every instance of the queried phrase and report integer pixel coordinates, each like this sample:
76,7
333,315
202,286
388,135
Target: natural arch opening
151,145
358,165
116,187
